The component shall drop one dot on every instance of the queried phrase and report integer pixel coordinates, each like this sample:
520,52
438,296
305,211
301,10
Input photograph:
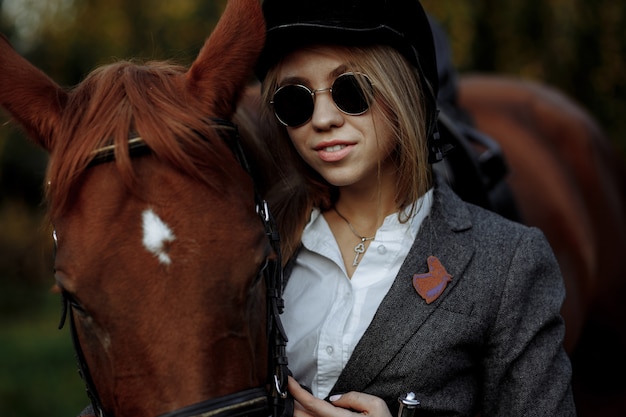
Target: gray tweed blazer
491,343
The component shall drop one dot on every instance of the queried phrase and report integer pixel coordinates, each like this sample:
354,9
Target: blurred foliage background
578,46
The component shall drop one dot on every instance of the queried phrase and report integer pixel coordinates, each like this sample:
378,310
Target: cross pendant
359,249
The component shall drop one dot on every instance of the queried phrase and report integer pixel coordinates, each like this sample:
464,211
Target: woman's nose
325,112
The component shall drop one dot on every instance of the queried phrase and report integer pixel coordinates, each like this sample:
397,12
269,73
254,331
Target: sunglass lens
348,93
293,105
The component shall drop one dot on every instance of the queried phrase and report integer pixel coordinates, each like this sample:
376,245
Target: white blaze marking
156,235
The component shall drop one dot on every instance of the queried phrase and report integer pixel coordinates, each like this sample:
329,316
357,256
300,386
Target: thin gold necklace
359,249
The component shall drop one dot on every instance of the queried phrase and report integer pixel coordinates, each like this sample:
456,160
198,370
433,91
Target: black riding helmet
402,24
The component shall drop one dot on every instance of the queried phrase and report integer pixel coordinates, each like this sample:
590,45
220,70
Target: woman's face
346,150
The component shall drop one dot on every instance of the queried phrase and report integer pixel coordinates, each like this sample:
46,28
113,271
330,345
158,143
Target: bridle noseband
256,402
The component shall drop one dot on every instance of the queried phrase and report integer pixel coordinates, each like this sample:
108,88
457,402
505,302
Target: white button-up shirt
327,312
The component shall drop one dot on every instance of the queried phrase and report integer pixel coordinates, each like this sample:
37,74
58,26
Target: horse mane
127,99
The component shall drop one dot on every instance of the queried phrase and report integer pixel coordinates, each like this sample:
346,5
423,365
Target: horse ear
29,95
225,62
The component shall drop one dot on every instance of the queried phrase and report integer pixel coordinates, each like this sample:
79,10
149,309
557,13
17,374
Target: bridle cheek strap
83,369
282,404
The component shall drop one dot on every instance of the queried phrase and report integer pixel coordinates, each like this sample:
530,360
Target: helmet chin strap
438,147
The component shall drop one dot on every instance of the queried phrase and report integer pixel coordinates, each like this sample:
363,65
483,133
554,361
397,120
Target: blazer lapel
403,311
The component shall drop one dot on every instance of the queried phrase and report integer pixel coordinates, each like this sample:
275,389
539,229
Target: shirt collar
316,231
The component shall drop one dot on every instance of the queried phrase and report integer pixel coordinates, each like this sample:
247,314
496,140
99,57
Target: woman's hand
350,404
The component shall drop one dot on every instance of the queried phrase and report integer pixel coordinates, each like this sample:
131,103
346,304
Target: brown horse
160,247
568,181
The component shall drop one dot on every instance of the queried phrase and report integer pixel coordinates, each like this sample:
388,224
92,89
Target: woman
394,284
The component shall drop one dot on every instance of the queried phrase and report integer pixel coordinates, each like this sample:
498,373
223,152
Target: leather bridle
271,399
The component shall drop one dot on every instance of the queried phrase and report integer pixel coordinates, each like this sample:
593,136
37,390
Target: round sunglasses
294,103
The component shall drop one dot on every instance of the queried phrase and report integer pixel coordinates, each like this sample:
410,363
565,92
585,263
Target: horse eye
71,300
76,305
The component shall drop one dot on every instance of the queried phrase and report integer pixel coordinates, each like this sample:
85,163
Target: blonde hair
398,95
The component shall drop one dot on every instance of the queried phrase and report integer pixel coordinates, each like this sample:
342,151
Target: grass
38,372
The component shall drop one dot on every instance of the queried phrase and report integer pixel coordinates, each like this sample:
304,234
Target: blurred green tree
577,46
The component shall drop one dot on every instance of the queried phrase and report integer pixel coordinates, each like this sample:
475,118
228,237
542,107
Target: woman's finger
347,405
360,402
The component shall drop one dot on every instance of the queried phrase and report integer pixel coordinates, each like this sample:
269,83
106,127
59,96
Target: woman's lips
333,152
